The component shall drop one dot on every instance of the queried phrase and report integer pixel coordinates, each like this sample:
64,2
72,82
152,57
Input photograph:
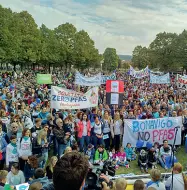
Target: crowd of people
34,137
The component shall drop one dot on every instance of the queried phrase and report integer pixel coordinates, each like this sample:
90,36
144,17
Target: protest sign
62,98
156,79
182,81
44,79
87,81
104,78
152,130
139,74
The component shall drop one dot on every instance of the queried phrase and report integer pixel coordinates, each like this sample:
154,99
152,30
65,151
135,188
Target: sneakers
116,167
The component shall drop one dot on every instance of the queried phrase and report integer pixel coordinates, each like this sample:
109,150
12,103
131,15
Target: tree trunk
33,67
14,66
49,68
7,66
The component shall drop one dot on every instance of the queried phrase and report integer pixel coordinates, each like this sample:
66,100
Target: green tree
110,59
50,47
65,34
140,57
162,51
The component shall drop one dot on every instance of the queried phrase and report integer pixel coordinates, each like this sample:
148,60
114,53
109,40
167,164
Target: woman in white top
24,147
117,131
179,179
97,130
107,121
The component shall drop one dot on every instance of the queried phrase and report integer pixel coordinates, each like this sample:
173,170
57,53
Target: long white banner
62,98
182,81
139,74
87,81
152,130
156,79
104,78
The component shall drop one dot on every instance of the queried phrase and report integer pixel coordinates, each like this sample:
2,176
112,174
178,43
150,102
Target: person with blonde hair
121,184
67,150
117,130
50,167
42,140
3,176
155,180
179,179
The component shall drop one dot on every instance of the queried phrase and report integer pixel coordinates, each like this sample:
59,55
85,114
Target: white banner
182,81
156,79
104,78
87,81
152,130
139,74
62,98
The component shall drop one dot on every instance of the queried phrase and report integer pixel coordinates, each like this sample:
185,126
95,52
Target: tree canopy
23,42
168,52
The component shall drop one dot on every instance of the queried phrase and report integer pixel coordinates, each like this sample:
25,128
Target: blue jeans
82,142
61,149
97,141
45,158
162,163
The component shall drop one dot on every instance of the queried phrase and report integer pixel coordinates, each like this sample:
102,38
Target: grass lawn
181,156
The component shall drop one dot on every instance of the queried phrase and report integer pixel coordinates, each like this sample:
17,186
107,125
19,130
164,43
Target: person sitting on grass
121,157
143,161
100,155
130,154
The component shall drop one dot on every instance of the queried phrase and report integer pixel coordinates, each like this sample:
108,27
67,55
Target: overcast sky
121,24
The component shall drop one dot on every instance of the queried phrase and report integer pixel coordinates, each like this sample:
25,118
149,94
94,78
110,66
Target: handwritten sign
152,130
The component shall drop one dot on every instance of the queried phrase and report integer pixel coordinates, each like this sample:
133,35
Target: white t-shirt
84,129
97,129
178,182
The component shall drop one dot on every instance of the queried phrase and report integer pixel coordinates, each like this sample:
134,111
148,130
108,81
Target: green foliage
22,42
111,59
168,52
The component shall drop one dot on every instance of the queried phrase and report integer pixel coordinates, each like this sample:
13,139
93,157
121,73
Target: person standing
84,129
24,147
61,137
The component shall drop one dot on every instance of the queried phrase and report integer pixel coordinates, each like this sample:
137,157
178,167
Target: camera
93,180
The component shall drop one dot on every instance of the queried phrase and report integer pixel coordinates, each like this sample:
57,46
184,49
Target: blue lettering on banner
69,99
140,126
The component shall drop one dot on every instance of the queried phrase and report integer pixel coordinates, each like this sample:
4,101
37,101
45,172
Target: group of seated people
70,173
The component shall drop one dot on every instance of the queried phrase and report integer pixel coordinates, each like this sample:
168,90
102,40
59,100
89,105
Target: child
130,153
90,152
152,158
113,157
100,155
122,160
156,147
3,176
143,161
11,152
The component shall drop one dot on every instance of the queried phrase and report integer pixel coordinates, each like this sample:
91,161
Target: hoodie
44,181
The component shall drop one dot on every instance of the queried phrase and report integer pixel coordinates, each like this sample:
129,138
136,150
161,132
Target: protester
179,179
15,176
70,171
3,178
155,180
50,167
139,185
